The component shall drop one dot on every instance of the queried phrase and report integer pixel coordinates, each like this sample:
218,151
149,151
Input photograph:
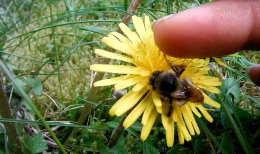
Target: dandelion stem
120,128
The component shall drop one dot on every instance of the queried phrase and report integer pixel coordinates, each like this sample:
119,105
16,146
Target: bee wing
194,94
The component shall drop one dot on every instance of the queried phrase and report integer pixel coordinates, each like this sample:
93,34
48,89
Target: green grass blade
125,5
240,138
168,7
236,118
54,123
55,50
28,100
66,58
144,5
201,124
253,99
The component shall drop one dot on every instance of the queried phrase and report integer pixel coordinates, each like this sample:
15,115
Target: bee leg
170,111
175,70
170,107
181,71
172,65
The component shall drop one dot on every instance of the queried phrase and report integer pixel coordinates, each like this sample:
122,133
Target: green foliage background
47,47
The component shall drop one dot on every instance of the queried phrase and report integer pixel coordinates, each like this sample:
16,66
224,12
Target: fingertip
210,30
254,74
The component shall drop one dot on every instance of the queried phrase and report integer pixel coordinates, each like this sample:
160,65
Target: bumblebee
172,88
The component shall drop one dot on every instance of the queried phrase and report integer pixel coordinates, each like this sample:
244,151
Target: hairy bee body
172,88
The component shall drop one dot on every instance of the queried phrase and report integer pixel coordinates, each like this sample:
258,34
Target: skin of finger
215,29
254,74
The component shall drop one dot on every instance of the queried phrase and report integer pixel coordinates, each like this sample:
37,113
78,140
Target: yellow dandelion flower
145,60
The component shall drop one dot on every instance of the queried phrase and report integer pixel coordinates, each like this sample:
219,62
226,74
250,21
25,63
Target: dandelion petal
220,62
170,134
187,119
111,81
148,126
140,85
121,69
128,83
130,102
194,123
159,109
194,110
150,107
180,135
210,101
111,55
156,99
126,99
136,113
205,113
182,126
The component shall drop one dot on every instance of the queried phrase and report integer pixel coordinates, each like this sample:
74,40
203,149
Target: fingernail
159,20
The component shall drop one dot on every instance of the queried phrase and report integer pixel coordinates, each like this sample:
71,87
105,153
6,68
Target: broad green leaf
20,129
35,84
133,132
149,149
15,69
137,126
22,84
101,148
119,148
231,86
88,141
213,97
91,120
35,144
197,142
174,149
117,119
224,120
242,114
227,143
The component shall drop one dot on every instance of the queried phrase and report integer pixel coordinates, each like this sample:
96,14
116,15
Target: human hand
215,29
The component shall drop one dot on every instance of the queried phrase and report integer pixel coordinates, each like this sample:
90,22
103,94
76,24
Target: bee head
167,82
163,82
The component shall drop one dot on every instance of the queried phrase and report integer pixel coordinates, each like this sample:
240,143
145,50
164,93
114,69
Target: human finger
254,74
215,29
